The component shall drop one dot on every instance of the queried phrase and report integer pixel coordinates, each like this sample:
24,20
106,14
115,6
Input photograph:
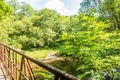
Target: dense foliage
90,37
4,9
105,9
95,49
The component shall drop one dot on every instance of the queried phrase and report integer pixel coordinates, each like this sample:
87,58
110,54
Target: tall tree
21,8
105,10
112,10
4,9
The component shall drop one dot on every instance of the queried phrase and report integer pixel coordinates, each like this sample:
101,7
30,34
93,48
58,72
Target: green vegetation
4,9
91,37
37,54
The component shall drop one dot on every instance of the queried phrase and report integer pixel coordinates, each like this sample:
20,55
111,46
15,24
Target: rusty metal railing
18,65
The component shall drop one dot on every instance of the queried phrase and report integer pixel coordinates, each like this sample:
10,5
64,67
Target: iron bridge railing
18,65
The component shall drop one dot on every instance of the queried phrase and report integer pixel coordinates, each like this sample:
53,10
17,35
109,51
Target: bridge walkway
3,75
19,66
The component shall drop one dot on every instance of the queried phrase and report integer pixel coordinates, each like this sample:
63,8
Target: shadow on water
66,64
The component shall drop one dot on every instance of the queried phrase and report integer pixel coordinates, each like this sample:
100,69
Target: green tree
104,9
90,45
21,8
4,9
111,9
52,24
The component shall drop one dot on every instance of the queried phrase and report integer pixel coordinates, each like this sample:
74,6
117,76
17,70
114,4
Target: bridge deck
3,76
10,58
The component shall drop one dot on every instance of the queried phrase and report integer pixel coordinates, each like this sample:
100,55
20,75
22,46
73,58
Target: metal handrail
10,62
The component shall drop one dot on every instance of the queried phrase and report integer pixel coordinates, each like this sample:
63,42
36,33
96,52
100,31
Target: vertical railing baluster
25,67
12,70
16,72
30,70
56,77
13,56
62,78
20,69
2,53
8,63
5,52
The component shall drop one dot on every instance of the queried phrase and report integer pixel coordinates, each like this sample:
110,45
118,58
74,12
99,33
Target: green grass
39,53
40,73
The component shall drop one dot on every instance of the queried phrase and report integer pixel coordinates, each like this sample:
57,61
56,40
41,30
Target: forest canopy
4,9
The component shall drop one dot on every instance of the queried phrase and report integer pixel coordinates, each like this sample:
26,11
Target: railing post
21,68
30,70
16,72
56,77
2,53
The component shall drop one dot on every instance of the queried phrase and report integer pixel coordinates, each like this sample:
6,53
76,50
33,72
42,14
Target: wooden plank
3,75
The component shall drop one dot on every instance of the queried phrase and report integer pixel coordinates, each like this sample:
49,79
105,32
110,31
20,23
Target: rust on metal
22,70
